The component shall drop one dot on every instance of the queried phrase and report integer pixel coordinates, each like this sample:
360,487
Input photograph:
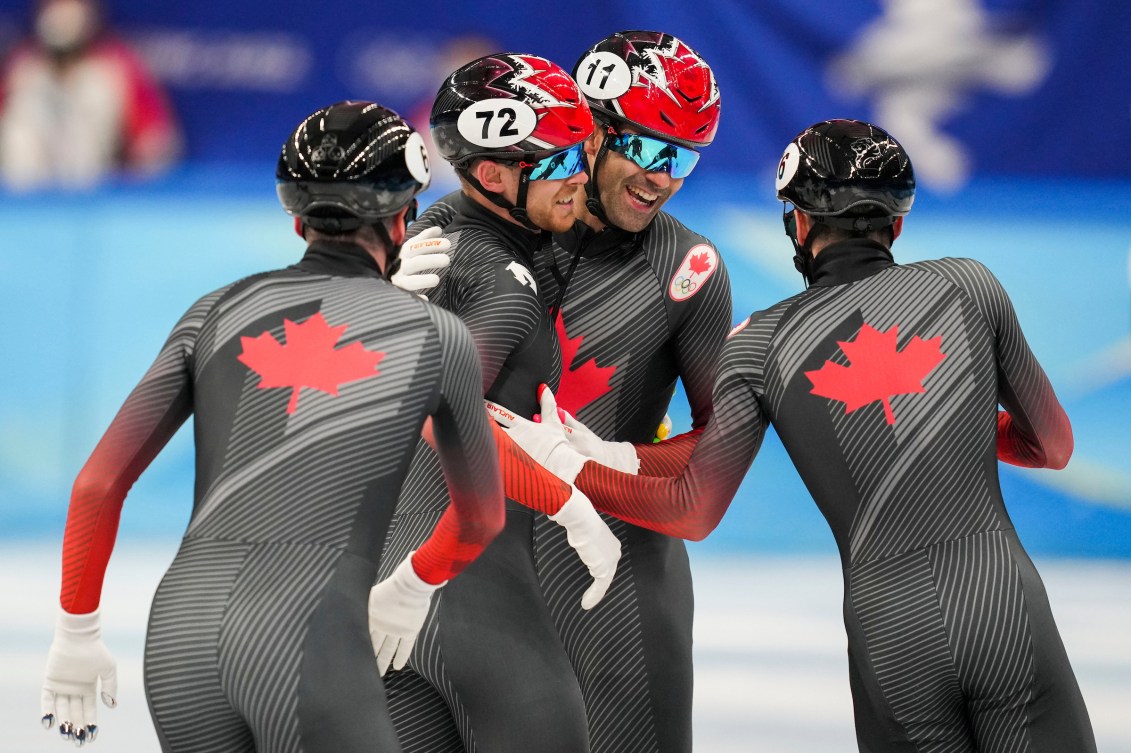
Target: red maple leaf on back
581,386
699,264
879,369
309,359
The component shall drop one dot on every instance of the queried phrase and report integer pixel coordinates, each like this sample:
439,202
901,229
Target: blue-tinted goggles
654,155
559,165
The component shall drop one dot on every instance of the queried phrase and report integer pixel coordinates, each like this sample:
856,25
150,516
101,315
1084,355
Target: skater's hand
398,607
427,251
76,662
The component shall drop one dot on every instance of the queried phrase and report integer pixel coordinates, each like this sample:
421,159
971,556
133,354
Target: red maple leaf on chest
878,370
699,264
309,359
582,385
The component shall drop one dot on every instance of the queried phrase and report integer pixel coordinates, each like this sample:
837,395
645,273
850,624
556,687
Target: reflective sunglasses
559,165
654,155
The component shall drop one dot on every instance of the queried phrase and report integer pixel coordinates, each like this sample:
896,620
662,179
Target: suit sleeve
1033,430
701,330
466,448
148,419
438,214
500,306
690,501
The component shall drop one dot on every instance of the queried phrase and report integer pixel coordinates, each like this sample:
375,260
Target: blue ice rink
770,666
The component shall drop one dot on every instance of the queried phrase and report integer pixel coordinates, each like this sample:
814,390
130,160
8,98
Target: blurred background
137,150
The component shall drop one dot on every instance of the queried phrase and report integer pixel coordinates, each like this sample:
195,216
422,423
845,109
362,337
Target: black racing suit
309,387
634,312
640,311
883,382
490,648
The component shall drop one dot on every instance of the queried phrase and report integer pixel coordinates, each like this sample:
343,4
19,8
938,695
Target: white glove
427,251
595,544
76,661
620,456
398,606
545,441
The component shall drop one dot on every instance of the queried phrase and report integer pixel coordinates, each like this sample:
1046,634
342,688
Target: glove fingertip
594,594
403,654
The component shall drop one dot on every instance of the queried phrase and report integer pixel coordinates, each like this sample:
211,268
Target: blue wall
1027,167
93,284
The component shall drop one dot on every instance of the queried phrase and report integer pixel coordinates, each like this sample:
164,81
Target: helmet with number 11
656,103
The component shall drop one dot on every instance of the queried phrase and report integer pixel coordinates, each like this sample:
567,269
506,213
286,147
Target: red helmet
508,105
653,82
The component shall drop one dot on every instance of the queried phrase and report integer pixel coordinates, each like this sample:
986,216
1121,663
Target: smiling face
550,203
630,195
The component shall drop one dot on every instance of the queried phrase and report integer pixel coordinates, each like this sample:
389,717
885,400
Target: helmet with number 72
508,106
653,82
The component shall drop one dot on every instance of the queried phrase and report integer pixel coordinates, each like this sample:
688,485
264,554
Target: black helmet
508,106
846,168
514,108
350,164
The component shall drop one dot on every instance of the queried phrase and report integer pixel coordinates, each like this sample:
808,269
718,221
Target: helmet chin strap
592,192
802,252
516,210
392,250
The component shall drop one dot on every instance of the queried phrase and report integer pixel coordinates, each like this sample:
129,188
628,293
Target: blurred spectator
77,104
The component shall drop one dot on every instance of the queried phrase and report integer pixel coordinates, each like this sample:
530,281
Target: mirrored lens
563,164
655,155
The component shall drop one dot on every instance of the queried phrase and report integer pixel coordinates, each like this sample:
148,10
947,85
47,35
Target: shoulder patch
522,274
738,327
697,267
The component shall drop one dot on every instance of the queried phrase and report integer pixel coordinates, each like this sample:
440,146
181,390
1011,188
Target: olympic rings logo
685,285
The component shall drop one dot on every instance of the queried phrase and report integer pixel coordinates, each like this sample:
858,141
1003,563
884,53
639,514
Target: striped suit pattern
632,653
952,644
258,635
488,673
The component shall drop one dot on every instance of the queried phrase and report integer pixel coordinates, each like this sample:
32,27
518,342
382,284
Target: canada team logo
696,269
878,370
310,358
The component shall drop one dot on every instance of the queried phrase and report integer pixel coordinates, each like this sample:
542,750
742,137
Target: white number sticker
787,168
494,123
603,75
416,158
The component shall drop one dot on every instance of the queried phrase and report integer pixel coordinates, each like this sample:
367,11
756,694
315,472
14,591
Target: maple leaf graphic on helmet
878,370
309,358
